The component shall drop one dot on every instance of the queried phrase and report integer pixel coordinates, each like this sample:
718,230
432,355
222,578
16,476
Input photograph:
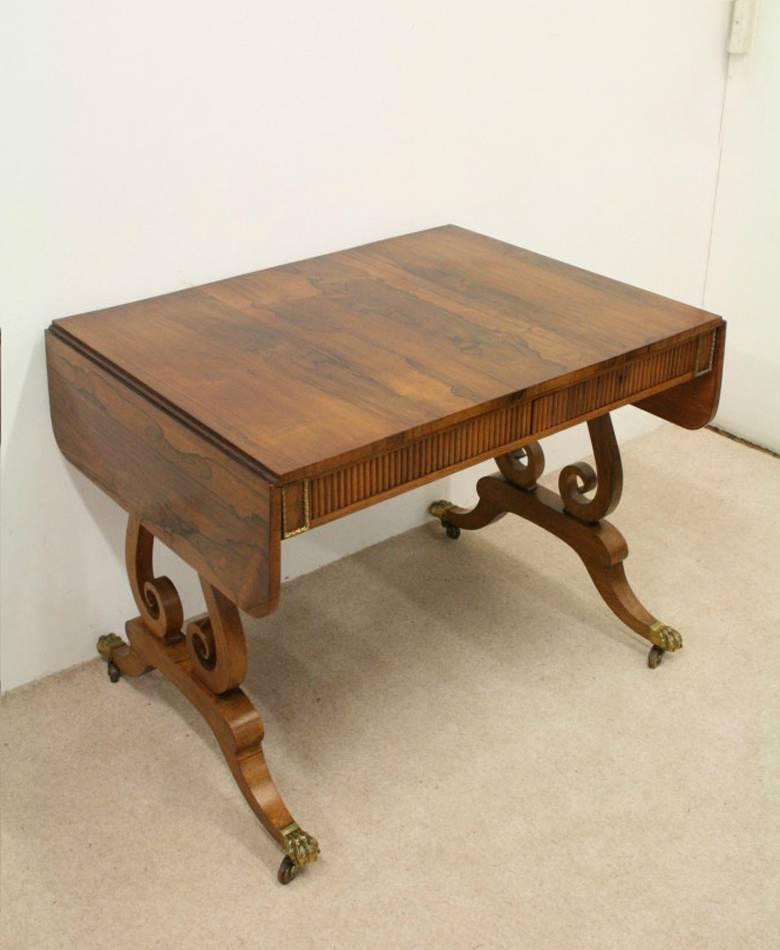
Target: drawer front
332,494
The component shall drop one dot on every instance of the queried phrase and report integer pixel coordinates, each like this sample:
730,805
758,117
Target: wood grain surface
346,488
692,404
309,366
221,517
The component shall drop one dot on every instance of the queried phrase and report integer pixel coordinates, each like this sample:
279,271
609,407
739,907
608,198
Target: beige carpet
477,743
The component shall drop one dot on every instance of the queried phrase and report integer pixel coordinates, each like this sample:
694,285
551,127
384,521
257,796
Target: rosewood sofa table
228,417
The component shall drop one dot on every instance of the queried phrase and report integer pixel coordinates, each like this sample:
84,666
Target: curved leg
575,518
486,511
120,657
617,594
207,664
453,518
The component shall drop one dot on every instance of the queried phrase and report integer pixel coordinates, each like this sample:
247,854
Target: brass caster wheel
439,510
288,870
114,673
453,531
655,656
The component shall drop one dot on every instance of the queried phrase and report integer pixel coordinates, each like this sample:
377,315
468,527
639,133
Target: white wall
160,145
744,271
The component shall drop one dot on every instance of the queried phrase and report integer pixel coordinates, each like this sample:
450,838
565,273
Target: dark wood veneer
308,366
217,514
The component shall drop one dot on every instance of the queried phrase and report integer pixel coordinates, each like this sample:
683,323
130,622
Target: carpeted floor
477,743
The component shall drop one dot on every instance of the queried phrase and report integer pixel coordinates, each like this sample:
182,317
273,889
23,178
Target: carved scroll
216,642
607,480
572,516
523,474
156,598
207,665
215,639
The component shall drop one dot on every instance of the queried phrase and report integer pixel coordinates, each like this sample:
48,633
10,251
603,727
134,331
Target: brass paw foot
301,848
665,639
105,646
439,510
107,643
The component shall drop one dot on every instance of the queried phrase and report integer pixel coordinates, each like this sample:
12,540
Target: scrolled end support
606,481
157,599
524,467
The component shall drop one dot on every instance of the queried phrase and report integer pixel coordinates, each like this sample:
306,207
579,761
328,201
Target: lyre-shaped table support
572,516
207,662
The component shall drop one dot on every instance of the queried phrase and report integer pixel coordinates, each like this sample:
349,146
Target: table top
305,365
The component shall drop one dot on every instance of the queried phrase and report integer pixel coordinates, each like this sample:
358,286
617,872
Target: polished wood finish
231,716
217,513
207,664
573,518
229,355
349,488
606,480
306,367
692,404
228,417
156,597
